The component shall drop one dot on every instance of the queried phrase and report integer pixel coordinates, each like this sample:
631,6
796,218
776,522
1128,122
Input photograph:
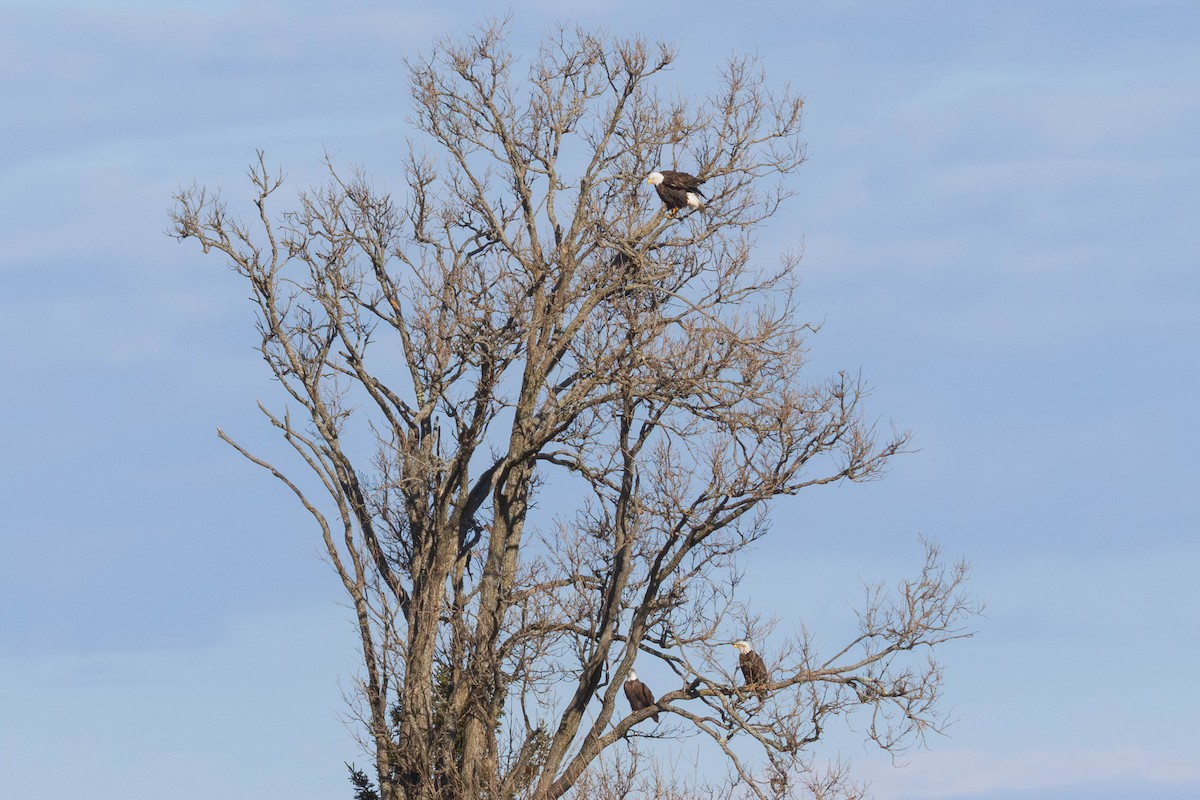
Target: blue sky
999,216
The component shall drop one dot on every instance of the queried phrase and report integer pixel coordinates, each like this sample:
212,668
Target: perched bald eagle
639,694
677,190
754,671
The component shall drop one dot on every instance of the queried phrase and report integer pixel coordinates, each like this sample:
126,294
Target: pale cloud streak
961,772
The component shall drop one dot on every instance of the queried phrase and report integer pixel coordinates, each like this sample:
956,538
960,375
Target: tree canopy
536,419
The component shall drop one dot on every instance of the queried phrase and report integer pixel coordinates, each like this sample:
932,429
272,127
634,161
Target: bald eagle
754,671
677,190
639,694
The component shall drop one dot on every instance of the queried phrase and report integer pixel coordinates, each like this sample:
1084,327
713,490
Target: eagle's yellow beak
647,180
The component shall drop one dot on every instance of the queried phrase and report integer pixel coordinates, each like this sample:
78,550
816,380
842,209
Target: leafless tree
524,321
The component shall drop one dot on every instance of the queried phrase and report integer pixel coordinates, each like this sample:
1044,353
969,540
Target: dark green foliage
363,788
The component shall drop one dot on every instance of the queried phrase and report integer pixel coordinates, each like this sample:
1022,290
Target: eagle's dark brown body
639,695
754,670
677,190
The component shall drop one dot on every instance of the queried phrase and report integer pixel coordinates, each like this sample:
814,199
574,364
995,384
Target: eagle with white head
677,190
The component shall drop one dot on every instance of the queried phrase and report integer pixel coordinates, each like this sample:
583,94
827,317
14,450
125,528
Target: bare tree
525,321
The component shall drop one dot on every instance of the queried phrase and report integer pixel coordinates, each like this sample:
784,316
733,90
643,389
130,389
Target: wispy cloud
951,773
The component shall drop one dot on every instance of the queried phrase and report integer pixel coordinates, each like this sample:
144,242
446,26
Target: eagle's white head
632,676
743,646
654,178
